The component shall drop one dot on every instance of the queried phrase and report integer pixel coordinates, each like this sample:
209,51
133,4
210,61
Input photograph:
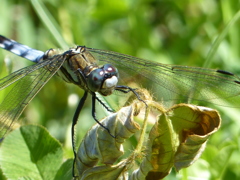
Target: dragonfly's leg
74,122
126,89
94,114
104,105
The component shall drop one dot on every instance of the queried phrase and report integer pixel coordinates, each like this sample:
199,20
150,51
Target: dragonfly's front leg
127,89
94,114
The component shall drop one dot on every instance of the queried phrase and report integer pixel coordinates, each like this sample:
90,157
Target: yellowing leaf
179,137
202,122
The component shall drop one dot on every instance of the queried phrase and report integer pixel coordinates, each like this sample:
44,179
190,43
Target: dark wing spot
238,82
225,72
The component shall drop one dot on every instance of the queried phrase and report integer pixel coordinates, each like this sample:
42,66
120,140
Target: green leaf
30,153
2,177
65,171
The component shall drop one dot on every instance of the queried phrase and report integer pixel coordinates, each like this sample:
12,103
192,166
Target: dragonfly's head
103,80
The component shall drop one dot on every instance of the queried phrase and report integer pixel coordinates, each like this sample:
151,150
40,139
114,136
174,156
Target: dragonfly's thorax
81,68
75,61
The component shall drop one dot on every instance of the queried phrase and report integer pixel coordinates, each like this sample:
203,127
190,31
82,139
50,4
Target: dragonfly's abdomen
20,49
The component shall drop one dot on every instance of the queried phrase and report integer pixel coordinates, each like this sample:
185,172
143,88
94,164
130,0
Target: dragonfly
104,72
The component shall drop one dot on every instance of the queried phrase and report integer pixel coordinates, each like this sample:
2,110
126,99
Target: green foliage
173,32
31,153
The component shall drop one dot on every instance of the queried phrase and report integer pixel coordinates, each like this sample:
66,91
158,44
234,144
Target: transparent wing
23,85
173,83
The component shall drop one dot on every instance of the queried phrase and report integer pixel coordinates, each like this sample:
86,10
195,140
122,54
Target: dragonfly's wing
173,82
24,84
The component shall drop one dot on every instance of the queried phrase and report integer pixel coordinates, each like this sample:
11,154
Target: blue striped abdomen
20,49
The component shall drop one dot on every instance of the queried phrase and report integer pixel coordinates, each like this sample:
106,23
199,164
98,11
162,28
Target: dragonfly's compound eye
95,80
110,70
103,80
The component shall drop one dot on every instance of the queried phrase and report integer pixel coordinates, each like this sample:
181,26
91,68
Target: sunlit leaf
31,153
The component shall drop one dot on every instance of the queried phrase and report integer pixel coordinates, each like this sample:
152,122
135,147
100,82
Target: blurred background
166,31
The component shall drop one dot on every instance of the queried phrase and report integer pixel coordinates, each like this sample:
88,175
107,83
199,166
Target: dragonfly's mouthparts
110,83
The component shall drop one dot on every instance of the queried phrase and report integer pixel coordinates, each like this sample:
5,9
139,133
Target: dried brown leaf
178,138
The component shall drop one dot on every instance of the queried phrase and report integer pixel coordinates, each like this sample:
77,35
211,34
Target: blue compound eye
110,70
103,79
95,79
